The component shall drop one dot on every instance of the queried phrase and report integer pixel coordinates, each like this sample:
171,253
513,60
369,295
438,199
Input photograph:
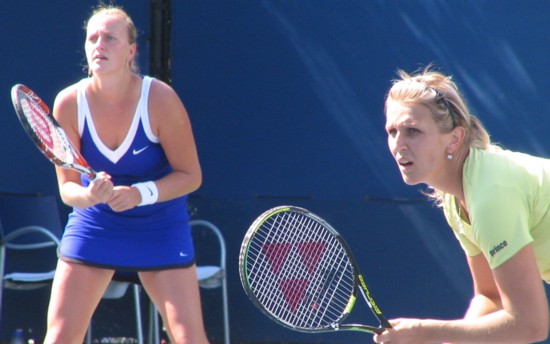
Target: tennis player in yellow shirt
497,202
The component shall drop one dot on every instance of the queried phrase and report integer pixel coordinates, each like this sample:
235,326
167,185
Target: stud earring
449,157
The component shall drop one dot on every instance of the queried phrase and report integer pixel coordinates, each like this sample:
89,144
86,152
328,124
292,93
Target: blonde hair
112,10
440,94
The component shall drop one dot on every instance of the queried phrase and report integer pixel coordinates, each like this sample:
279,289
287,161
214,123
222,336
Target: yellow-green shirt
508,199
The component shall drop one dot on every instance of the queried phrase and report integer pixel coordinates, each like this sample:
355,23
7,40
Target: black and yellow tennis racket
299,271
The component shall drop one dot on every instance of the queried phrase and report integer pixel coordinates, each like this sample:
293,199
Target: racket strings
336,294
47,133
328,305
299,271
265,274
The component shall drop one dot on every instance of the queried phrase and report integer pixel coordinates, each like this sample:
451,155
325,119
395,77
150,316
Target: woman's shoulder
162,95
70,92
66,103
66,98
489,171
159,88
494,159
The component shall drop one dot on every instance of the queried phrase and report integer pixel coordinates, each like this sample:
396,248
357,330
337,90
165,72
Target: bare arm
515,312
486,297
172,125
70,188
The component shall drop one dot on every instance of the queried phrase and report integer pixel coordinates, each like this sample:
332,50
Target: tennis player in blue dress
133,215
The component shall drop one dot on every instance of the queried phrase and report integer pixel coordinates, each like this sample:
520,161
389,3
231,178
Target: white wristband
148,191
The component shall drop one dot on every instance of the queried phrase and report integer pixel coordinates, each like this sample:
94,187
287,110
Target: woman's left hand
404,331
124,198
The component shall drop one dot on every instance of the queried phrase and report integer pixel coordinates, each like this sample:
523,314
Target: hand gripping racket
299,271
45,132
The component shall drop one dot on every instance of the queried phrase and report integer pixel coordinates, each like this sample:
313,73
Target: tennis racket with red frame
298,270
45,132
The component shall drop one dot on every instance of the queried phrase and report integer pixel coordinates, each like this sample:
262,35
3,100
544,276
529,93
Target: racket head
42,128
297,270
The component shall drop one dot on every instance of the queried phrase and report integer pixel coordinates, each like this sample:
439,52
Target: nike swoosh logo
137,151
183,254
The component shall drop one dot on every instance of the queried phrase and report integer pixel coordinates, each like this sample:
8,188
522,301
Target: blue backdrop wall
287,104
286,100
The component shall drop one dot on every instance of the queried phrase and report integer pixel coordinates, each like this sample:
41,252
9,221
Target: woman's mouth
404,162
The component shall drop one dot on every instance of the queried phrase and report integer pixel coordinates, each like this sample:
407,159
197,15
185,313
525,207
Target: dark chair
30,231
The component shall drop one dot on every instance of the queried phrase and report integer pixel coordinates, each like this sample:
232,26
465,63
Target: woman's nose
398,143
99,43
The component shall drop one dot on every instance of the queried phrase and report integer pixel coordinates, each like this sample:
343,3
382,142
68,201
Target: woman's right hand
100,189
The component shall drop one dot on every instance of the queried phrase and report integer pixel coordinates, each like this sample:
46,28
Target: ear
456,140
132,52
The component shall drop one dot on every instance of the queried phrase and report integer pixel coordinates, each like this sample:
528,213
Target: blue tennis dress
150,237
